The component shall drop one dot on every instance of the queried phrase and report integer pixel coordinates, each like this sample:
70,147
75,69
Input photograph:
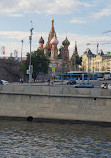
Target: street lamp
62,50
21,49
30,41
89,67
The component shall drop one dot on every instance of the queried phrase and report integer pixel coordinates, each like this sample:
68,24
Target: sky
84,21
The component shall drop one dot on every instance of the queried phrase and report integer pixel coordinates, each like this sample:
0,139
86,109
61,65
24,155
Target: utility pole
93,68
89,67
30,41
62,49
93,65
21,49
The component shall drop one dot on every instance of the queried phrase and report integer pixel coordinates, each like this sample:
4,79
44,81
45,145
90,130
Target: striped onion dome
46,46
54,40
66,42
41,40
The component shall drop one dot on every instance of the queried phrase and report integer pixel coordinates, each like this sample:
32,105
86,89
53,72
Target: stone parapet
63,90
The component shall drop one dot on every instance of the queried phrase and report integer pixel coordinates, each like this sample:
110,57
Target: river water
20,139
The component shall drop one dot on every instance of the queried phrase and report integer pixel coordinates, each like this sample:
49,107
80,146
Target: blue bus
78,75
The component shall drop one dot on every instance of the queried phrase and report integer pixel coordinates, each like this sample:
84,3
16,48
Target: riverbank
55,103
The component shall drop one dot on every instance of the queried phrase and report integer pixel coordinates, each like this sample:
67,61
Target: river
20,139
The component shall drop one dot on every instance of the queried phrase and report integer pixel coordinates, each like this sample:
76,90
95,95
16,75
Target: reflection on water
20,139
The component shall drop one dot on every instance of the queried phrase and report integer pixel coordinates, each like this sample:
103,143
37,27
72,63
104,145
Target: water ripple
47,140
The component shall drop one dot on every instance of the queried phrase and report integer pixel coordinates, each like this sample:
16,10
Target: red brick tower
51,35
52,32
66,44
54,51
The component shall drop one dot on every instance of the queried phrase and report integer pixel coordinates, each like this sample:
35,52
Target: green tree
76,60
39,61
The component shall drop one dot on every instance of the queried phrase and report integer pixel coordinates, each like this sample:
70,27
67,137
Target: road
97,83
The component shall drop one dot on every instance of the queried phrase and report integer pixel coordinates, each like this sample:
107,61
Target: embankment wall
55,102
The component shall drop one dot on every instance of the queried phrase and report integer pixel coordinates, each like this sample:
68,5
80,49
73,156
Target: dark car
84,85
71,82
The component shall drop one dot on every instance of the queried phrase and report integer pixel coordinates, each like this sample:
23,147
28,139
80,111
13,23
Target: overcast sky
84,21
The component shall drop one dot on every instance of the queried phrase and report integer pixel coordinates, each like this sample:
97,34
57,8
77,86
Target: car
71,82
109,86
84,85
4,82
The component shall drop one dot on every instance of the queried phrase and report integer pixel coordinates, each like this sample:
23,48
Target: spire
52,30
76,46
75,50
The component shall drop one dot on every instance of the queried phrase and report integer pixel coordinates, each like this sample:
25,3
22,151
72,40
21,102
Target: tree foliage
76,59
39,61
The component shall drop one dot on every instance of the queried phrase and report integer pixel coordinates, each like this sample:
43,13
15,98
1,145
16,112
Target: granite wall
64,103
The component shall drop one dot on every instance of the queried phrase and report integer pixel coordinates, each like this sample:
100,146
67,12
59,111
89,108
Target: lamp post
30,41
62,49
21,49
88,67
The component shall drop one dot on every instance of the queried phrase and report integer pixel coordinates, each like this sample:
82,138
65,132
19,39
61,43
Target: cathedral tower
52,33
66,44
75,51
54,51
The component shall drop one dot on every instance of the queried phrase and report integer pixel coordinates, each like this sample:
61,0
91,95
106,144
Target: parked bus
78,75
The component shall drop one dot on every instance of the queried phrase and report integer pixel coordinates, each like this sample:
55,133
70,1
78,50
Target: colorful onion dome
52,30
46,46
66,42
54,40
41,40
52,20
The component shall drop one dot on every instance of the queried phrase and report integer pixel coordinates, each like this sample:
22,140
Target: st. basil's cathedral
56,55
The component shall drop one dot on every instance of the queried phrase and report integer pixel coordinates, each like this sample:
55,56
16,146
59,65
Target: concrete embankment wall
64,103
